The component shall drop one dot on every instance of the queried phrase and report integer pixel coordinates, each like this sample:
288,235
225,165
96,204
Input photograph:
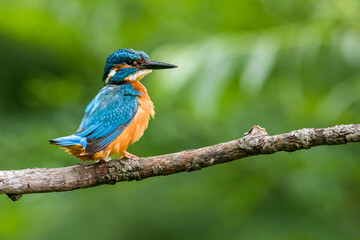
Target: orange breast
134,131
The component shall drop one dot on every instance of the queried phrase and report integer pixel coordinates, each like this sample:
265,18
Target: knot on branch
256,130
253,140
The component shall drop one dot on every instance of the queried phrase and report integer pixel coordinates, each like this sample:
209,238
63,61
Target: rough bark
14,183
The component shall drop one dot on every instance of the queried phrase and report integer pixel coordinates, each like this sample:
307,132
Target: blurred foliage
283,65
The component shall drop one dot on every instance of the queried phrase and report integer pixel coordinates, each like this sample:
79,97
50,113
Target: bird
119,114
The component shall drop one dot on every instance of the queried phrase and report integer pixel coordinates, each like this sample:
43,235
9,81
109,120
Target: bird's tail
74,145
69,140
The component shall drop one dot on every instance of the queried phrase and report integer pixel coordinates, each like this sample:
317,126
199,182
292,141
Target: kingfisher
119,114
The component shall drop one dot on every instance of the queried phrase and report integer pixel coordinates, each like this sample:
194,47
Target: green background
284,65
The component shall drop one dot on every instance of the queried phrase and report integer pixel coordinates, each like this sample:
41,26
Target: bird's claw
128,155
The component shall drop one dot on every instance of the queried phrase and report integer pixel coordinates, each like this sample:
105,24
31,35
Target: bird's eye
131,62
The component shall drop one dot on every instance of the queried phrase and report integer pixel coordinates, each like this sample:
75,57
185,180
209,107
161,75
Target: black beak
156,65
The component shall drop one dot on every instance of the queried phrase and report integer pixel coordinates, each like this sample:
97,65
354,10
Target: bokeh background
284,65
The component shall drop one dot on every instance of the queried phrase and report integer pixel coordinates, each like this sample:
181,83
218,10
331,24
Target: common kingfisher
120,112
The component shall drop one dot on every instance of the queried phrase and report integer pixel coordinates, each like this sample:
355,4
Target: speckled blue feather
107,115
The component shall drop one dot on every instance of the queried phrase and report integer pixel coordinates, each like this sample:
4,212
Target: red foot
128,154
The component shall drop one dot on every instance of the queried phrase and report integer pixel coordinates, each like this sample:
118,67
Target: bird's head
126,65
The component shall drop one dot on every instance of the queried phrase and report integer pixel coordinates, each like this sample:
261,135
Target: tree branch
14,183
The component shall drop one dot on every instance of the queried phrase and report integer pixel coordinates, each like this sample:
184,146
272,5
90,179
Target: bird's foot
127,154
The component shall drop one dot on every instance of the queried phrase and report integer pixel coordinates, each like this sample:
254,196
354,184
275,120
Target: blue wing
107,115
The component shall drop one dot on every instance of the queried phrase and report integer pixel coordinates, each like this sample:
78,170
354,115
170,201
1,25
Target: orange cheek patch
121,66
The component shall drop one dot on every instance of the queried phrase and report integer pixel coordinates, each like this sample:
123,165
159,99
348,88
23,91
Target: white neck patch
110,75
138,75
133,77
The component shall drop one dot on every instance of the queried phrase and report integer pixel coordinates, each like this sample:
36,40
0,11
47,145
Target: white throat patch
138,75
